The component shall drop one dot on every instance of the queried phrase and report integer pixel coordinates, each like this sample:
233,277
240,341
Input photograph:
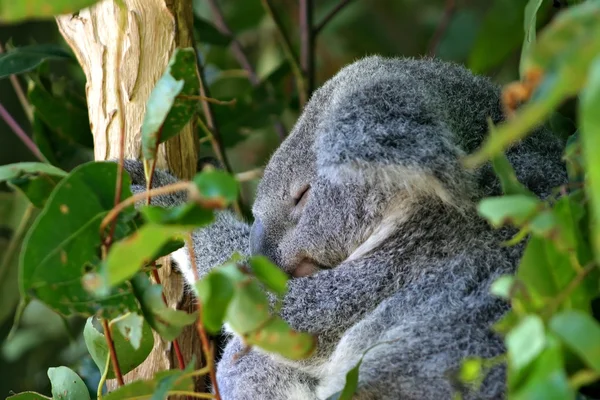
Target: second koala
367,205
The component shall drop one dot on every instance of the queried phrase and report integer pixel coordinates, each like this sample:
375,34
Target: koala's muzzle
258,242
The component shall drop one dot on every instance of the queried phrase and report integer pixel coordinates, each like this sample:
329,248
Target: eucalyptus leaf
27,58
67,385
15,11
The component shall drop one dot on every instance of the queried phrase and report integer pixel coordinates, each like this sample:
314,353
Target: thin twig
167,189
210,118
236,46
208,99
307,45
575,282
103,378
319,27
208,354
442,26
240,55
287,50
21,134
249,175
19,92
112,352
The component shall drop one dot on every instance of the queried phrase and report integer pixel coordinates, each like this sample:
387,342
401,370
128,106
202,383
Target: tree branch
112,352
16,128
240,55
441,28
340,6
288,51
307,45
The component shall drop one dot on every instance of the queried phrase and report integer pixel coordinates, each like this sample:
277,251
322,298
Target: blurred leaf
547,379
15,11
278,337
561,126
131,327
471,370
128,356
27,58
590,140
514,209
64,115
561,57
65,240
350,386
269,274
166,321
67,385
206,33
508,178
502,286
215,292
35,180
525,341
217,186
529,25
16,215
573,158
580,332
460,36
499,35
166,113
129,255
156,388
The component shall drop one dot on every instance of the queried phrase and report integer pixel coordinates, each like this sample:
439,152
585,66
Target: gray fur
390,219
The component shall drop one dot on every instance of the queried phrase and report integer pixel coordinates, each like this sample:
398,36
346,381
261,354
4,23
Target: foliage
82,254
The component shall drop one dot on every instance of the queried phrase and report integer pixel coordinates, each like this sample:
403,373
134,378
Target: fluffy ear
383,133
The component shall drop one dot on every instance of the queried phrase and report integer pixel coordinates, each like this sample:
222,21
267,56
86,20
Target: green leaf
590,140
166,321
128,356
562,56
28,396
206,33
156,388
15,11
573,155
508,178
580,332
131,328
525,342
498,37
502,286
67,385
166,114
547,379
215,292
530,23
35,180
249,308
351,385
514,209
26,58
62,113
129,255
65,240
278,337
269,274
186,215
217,186
471,370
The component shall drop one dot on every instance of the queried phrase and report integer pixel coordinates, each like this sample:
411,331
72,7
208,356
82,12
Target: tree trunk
154,28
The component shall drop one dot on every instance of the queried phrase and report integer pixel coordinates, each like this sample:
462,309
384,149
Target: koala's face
303,221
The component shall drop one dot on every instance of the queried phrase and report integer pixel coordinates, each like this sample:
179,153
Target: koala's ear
383,133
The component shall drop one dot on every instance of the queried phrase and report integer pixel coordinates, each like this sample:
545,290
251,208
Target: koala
367,207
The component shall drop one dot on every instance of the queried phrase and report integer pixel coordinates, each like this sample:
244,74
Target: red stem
10,121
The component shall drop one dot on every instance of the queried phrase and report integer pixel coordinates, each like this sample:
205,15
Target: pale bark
154,28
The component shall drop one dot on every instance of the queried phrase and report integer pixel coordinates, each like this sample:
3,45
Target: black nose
257,238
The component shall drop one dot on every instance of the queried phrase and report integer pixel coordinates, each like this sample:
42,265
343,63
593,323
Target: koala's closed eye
301,196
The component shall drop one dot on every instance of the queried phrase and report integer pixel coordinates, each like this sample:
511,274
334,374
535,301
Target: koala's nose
257,238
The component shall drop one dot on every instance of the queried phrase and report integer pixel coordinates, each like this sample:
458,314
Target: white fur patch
182,258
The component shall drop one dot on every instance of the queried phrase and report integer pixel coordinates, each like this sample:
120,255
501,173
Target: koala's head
362,156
